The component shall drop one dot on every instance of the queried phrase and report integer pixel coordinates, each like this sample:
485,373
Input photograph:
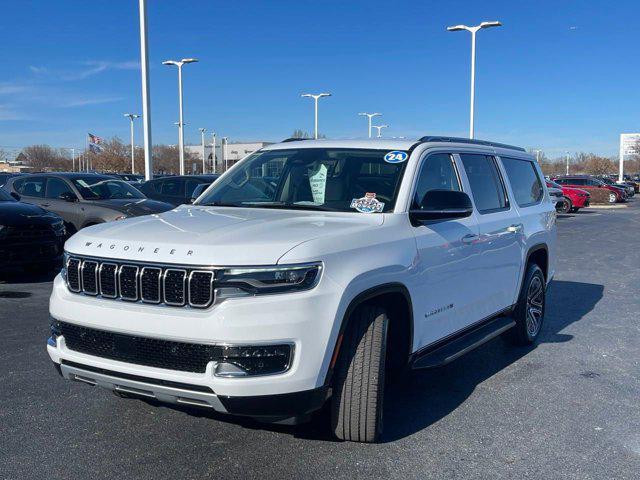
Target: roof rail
293,139
431,138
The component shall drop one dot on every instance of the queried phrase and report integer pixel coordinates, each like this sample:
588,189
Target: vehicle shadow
421,398
16,276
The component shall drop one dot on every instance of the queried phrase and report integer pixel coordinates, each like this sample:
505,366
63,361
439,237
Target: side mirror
442,205
15,195
68,197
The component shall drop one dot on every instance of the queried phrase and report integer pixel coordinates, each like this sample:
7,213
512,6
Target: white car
310,272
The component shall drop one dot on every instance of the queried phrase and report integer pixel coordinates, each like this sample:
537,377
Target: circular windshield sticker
396,157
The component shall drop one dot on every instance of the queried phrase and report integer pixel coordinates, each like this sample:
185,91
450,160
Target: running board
442,354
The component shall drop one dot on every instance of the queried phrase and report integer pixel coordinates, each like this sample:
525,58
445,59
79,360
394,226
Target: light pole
473,31
213,152
370,116
131,117
179,64
223,146
316,97
146,95
204,157
380,127
567,162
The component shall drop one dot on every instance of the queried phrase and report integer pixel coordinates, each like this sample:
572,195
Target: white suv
310,272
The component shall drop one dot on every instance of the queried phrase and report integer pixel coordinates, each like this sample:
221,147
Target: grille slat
176,287
108,274
150,284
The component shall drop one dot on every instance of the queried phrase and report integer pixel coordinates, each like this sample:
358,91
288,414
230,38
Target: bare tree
44,157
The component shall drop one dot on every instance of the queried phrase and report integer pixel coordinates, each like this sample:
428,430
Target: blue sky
559,75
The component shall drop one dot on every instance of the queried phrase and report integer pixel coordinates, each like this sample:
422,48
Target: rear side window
524,180
437,173
31,186
171,187
486,184
56,187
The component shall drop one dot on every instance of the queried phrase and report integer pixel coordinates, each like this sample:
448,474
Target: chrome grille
175,285
89,275
150,285
155,284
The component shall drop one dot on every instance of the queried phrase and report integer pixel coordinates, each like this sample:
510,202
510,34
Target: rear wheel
529,311
612,198
356,405
566,206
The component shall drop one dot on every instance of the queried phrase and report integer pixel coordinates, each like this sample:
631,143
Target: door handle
516,228
470,238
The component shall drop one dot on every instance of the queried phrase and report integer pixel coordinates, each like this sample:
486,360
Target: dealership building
226,153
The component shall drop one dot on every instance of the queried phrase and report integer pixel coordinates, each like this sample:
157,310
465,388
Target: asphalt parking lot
569,408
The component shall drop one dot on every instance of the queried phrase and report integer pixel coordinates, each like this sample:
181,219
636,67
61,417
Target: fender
358,300
535,248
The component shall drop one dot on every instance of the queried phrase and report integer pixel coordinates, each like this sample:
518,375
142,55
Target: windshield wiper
291,206
218,204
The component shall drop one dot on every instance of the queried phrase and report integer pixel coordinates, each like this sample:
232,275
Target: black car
177,190
5,176
84,199
29,235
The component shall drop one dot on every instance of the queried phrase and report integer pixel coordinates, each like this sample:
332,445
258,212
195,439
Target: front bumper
305,320
272,407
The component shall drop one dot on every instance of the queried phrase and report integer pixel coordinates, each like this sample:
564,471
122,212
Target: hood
16,214
198,235
134,207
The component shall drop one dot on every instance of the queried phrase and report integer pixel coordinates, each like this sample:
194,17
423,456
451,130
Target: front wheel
612,198
529,311
358,390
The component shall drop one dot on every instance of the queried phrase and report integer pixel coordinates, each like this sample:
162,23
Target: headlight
263,280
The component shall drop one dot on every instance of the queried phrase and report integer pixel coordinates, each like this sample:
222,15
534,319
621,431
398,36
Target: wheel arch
401,329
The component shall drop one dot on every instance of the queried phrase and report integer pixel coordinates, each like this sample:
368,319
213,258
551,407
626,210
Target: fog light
242,361
55,333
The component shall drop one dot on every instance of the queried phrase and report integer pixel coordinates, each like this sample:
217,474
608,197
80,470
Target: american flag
96,140
94,143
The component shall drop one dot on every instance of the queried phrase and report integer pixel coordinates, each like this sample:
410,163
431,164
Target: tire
574,210
532,298
612,198
566,206
358,389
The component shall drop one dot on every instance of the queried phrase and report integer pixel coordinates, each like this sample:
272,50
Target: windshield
341,180
101,188
5,197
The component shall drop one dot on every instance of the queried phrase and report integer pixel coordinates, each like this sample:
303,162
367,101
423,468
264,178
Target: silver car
83,199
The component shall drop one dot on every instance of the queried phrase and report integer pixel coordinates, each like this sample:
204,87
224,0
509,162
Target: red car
588,183
574,198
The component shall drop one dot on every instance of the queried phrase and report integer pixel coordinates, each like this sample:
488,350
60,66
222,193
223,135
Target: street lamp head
457,28
324,95
202,130
171,62
490,24
189,60
306,95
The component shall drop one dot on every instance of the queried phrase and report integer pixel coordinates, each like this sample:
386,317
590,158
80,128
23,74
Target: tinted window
31,187
171,187
486,184
190,185
438,173
525,183
96,187
56,187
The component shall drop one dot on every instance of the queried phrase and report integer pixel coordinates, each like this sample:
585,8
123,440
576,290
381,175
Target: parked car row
589,183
